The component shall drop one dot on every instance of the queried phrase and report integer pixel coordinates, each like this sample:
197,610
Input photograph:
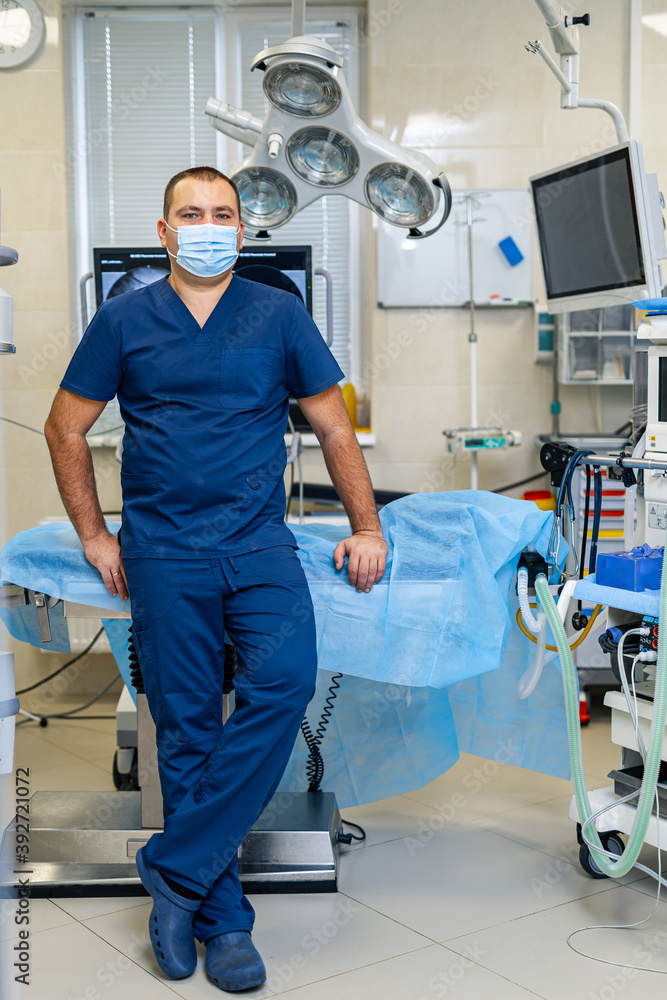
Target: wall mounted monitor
600,229
122,269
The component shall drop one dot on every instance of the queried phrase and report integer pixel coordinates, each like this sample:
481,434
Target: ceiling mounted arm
298,17
565,36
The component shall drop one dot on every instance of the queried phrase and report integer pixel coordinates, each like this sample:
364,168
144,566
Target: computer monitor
288,267
121,269
600,229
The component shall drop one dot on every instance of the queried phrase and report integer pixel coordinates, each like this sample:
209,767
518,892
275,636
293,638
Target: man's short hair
208,174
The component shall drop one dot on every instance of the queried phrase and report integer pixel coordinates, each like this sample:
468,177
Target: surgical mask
207,249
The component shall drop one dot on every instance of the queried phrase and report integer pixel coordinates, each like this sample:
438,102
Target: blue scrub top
205,412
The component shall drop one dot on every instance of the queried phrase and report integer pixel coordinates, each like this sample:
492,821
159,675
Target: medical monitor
288,267
122,269
600,229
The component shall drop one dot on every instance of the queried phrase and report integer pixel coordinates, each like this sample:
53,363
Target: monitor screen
288,267
588,226
119,270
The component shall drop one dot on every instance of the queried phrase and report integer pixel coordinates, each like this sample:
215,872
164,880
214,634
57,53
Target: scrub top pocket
246,378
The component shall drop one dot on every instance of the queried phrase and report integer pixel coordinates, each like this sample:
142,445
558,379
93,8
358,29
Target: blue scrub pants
216,781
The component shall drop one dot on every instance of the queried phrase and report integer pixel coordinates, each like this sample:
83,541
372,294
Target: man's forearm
75,478
349,474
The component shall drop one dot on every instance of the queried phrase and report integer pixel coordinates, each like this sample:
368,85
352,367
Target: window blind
147,79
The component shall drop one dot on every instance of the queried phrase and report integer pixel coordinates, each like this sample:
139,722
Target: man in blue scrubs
203,364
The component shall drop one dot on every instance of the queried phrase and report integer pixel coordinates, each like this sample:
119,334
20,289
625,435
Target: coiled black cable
135,669
315,762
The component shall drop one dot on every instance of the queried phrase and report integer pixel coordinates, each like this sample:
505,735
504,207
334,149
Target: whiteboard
434,271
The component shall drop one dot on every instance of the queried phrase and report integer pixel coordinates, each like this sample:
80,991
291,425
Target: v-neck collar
184,318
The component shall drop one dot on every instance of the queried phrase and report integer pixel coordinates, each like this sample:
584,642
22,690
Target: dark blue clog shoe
170,924
233,963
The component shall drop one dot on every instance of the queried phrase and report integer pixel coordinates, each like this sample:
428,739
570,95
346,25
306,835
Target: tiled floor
473,899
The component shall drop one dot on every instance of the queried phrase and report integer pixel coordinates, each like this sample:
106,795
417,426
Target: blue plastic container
639,569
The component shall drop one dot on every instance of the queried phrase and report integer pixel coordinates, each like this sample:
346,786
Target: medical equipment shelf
621,818
622,604
644,602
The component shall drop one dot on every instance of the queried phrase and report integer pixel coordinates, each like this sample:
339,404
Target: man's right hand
103,552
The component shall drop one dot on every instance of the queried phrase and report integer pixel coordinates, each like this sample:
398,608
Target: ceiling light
313,143
399,195
268,198
322,156
301,89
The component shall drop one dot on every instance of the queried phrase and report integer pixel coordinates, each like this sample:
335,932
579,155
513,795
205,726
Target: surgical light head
312,143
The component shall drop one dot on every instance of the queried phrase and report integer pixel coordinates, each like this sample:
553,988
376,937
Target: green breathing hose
617,867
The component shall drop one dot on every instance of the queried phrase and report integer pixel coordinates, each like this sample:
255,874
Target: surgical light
322,156
399,195
312,143
268,198
302,89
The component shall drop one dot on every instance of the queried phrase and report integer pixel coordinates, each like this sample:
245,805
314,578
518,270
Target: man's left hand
366,555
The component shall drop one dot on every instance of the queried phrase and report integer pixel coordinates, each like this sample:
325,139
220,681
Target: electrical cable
315,761
627,425
631,700
580,639
71,718
584,534
347,822
289,498
63,667
16,423
35,430
597,513
74,711
521,482
564,499
81,708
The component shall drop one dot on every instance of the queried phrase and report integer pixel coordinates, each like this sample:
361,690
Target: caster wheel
125,781
611,842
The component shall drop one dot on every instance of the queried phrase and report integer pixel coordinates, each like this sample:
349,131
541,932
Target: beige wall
34,221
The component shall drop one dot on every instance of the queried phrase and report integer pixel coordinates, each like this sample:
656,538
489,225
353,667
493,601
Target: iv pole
472,340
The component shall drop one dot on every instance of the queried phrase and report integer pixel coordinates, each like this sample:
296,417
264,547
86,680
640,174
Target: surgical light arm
234,122
565,37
